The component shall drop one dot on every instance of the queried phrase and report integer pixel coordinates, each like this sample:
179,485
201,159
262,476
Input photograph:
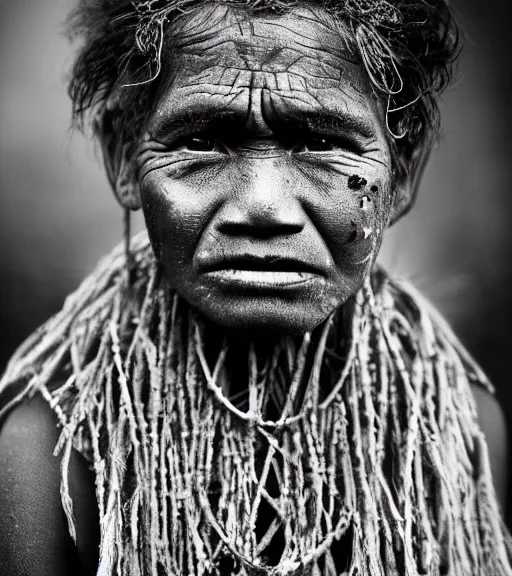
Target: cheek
175,218
367,227
353,224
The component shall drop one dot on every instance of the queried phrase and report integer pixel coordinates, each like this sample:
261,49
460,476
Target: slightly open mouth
262,278
248,271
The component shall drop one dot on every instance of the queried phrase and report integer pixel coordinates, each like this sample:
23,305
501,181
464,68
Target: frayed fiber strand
359,437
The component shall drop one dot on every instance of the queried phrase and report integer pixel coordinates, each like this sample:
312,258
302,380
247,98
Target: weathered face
265,172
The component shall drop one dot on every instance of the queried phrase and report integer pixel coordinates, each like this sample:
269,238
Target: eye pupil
319,144
200,144
316,145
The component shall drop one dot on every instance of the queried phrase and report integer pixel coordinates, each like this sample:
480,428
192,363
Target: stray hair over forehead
407,47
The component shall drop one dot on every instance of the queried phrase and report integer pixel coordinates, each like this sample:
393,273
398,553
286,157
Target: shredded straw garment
362,439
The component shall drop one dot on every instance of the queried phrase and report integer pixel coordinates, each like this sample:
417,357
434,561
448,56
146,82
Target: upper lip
268,263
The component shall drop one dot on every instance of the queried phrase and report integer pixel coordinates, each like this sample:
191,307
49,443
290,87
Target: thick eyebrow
184,121
209,117
325,122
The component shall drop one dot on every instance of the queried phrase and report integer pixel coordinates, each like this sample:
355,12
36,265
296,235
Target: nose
262,203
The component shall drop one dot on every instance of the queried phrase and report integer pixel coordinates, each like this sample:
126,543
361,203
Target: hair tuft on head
408,48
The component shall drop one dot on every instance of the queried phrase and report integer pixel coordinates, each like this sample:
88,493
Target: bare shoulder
494,426
31,519
33,527
27,440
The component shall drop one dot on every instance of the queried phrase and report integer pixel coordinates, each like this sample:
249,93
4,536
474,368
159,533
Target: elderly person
243,390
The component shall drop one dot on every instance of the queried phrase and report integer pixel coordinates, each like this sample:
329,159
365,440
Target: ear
407,187
118,159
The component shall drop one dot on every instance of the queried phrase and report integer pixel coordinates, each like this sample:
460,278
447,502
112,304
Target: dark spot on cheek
355,182
374,188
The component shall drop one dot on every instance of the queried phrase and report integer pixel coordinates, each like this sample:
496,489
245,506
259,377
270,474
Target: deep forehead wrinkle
236,77
274,53
257,67
259,40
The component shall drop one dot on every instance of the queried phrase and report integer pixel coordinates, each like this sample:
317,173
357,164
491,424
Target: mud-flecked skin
252,149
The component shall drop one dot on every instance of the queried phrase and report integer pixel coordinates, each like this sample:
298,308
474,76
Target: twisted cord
375,442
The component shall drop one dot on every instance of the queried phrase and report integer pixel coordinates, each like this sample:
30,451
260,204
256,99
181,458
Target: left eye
199,144
315,144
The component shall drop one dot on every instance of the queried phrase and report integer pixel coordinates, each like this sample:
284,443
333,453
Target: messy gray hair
408,49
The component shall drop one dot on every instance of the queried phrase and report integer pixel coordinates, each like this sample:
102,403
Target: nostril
253,216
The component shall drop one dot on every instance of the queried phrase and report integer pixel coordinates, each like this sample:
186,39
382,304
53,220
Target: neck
261,351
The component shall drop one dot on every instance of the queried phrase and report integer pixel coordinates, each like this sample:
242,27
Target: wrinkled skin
265,172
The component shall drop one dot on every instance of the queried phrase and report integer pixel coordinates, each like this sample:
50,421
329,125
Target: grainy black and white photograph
256,299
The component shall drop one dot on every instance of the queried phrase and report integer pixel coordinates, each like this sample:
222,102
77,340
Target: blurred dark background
57,215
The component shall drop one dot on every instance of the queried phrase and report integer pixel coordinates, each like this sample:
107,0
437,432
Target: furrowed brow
329,123
189,120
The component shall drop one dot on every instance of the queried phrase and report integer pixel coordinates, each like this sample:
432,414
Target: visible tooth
267,277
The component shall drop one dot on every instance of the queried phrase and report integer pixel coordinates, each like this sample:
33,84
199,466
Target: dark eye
315,144
199,144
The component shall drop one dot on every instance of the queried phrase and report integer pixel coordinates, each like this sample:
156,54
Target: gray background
57,215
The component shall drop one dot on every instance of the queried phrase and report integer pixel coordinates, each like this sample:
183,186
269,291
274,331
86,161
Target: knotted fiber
364,432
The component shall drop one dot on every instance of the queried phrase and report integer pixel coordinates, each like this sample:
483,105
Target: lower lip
263,278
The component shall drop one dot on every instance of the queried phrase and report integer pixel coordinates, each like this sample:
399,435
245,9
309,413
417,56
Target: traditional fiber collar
361,438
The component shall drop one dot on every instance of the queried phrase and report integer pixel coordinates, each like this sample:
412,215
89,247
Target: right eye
315,144
199,144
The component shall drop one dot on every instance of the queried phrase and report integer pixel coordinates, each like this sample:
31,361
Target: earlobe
126,188
118,161
402,203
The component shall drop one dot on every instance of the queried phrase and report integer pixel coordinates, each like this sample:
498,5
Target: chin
261,314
